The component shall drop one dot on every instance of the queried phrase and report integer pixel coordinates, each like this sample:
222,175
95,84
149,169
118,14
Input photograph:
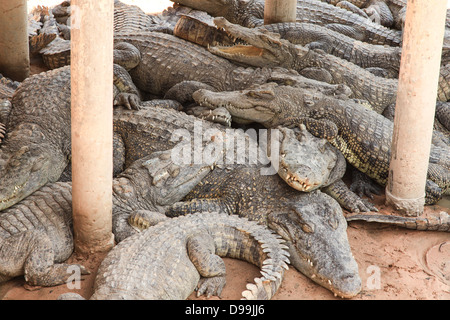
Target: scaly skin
36,237
360,53
362,135
438,223
36,148
251,13
306,163
163,61
36,234
202,31
273,51
311,223
169,260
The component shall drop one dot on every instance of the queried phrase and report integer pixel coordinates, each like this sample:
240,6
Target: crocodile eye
333,222
307,228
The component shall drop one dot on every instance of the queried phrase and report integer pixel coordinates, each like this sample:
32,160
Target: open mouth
238,49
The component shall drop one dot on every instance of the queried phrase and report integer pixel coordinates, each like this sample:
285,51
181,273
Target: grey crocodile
36,233
363,54
390,13
439,222
304,220
363,136
162,61
202,31
273,51
171,259
312,223
36,148
241,175
251,13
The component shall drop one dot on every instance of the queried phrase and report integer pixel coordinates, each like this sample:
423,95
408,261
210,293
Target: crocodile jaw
262,48
315,231
25,169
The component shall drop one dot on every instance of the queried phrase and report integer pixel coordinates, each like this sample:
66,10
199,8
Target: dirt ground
394,264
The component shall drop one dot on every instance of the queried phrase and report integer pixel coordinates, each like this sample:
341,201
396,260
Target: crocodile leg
347,198
182,92
201,251
38,259
126,55
126,94
440,223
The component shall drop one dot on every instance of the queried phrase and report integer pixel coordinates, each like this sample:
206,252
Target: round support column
416,101
280,11
14,52
92,103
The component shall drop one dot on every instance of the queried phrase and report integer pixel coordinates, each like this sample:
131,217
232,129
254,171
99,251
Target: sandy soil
394,263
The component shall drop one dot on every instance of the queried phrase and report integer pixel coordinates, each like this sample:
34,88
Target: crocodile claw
128,100
211,286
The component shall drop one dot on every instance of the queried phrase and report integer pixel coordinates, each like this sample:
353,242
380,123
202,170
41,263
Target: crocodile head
261,49
158,181
260,103
307,163
315,232
26,168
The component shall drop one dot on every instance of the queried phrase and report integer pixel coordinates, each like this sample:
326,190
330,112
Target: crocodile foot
219,115
128,100
211,286
362,185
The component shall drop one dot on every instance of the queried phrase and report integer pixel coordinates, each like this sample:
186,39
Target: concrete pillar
280,11
92,101
14,52
416,100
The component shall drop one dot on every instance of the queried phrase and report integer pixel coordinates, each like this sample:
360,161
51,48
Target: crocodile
36,148
163,61
392,10
312,223
269,49
305,163
362,135
202,31
439,222
171,259
163,65
36,233
251,14
304,220
55,51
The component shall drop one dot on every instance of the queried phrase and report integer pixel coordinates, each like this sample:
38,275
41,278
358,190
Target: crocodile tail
437,223
272,267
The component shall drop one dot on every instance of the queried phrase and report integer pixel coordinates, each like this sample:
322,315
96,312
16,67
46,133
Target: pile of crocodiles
190,185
